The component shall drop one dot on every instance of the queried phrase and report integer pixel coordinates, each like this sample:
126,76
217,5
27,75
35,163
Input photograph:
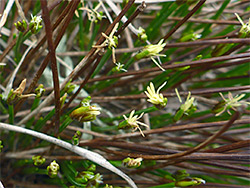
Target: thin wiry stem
46,60
52,54
50,98
201,2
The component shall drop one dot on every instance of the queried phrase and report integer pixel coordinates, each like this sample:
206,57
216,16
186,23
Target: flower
188,108
119,67
35,24
94,15
111,42
152,50
75,139
132,163
36,20
245,28
156,98
132,122
231,102
188,104
155,49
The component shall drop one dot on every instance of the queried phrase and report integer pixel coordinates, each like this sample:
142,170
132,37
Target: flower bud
63,99
190,37
21,25
69,87
39,91
85,113
86,101
15,95
180,174
1,146
142,34
189,182
76,137
38,160
53,169
92,168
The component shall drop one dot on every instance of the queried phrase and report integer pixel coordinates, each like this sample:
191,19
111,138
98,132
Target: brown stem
45,62
197,6
51,46
139,9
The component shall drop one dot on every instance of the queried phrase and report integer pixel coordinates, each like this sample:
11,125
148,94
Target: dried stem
52,54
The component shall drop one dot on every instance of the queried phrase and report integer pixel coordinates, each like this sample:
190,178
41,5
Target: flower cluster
111,42
35,24
132,163
155,97
187,108
230,103
131,122
151,51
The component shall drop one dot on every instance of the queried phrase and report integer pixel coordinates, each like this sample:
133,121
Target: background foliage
206,53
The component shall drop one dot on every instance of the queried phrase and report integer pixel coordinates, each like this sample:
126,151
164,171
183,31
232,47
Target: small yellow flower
131,122
231,102
151,51
155,97
93,15
119,67
187,108
245,28
132,163
111,42
35,24
155,49
188,104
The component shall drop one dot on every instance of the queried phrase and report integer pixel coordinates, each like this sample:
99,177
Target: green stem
3,109
11,114
17,47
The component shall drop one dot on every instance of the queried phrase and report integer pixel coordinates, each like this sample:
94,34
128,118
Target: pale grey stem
90,155
1,185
